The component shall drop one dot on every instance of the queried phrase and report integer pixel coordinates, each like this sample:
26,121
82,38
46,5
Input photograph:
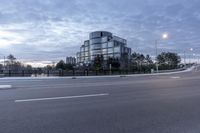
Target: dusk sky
49,30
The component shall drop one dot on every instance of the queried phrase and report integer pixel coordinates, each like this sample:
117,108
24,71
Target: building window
82,54
95,46
86,43
110,55
110,50
95,52
116,44
95,35
104,45
117,49
104,51
105,57
92,57
116,55
86,48
82,49
96,40
104,39
126,50
86,54
86,58
110,44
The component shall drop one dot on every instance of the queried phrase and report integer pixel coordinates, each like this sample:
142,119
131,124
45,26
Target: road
138,104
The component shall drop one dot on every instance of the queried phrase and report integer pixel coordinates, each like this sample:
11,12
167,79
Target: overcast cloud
48,30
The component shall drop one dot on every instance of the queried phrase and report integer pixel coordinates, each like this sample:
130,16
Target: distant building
70,60
102,43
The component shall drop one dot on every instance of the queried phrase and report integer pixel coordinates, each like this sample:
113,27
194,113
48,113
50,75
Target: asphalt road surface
139,104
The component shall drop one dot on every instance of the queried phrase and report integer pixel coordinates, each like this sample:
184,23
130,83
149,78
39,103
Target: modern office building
102,43
70,60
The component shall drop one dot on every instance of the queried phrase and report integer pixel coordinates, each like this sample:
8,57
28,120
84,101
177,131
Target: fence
50,73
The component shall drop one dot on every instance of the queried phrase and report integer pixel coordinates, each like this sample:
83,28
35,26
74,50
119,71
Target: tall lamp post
184,59
191,49
4,58
194,57
164,36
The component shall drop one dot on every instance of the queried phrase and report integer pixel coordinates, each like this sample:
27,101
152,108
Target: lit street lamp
164,36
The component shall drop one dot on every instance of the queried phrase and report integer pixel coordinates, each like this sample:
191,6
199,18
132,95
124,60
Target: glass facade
95,46
102,43
117,49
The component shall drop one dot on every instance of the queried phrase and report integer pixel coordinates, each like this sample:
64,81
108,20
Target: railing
62,73
50,73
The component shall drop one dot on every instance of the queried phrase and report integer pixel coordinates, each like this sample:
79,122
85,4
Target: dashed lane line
59,98
3,87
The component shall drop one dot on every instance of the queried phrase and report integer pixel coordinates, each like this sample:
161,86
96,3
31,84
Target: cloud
50,30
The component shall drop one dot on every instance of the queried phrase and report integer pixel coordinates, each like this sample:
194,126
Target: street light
184,57
191,49
194,52
194,57
164,36
4,58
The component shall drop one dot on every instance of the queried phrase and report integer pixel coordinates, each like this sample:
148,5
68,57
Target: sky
42,31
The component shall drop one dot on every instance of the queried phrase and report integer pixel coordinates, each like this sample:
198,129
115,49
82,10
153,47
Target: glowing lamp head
165,36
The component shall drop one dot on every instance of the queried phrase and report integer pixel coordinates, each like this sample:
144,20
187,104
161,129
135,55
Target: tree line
136,62
11,63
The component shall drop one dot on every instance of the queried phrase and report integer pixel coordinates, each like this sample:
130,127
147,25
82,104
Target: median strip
58,98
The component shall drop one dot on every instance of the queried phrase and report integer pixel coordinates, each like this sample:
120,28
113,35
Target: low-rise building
70,60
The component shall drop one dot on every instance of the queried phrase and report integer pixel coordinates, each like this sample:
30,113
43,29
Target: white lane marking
5,87
14,80
175,77
58,98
